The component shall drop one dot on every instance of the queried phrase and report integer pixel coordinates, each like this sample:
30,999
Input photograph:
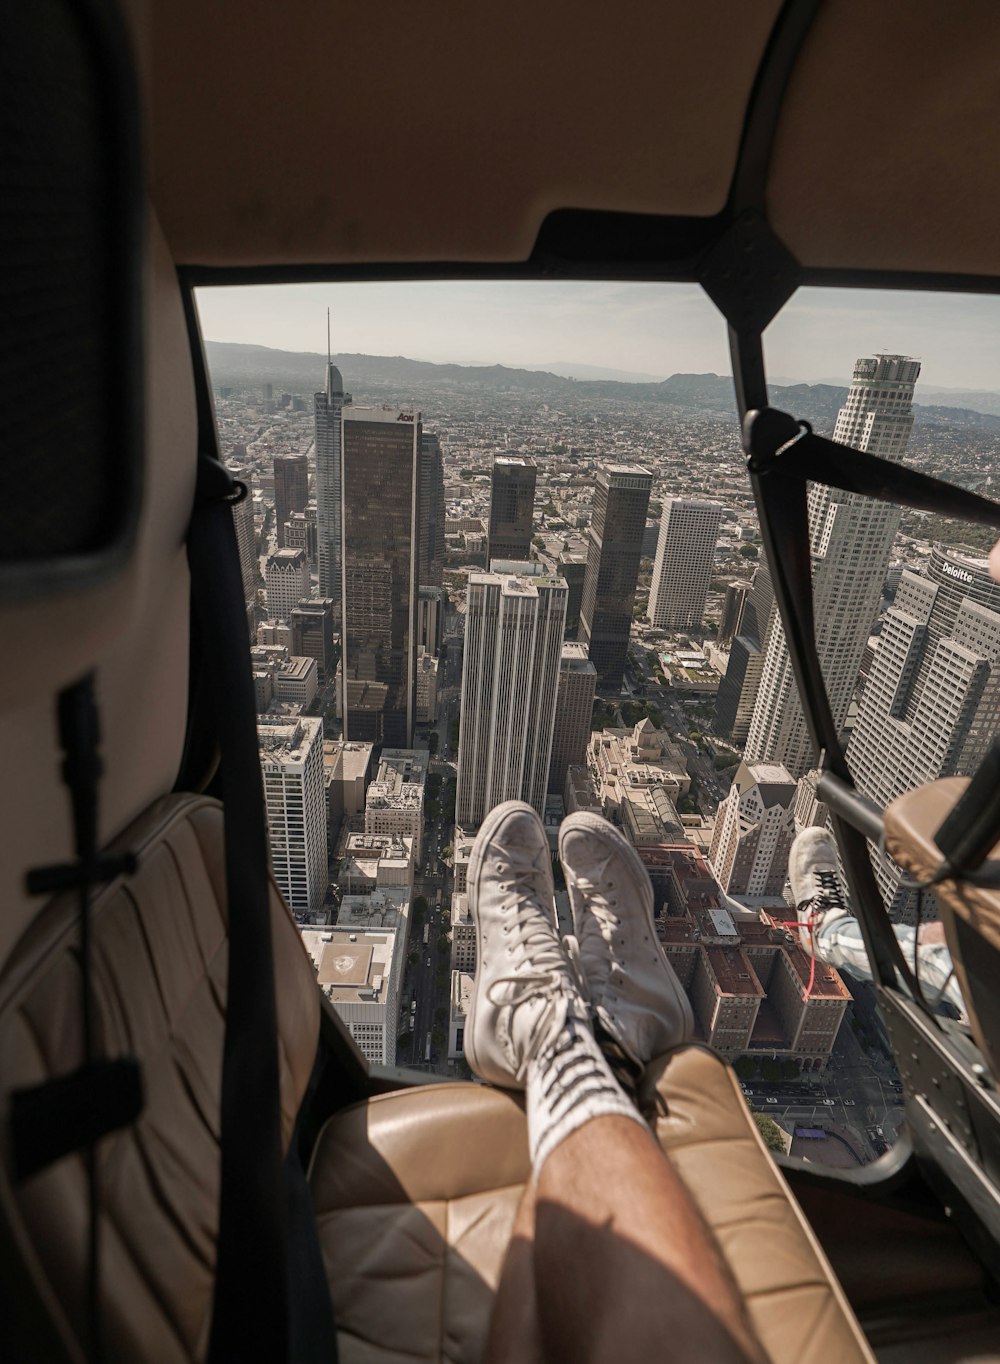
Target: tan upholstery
794,1300
970,914
416,1192
159,969
415,1197
132,629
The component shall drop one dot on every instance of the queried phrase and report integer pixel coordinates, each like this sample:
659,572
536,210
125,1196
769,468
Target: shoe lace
830,894
600,905
539,942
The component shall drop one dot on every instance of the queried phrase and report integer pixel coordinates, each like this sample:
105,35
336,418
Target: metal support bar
850,805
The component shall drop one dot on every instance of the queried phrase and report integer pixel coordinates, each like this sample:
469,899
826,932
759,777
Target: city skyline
646,330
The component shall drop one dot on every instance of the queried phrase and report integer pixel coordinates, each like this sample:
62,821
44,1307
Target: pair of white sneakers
612,975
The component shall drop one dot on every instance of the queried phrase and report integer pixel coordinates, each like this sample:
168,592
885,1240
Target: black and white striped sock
570,1082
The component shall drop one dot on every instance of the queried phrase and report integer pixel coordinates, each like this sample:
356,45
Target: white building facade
932,700
851,543
510,677
683,566
287,581
291,759
754,829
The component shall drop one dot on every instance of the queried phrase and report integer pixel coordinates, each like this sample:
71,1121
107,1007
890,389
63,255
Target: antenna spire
329,360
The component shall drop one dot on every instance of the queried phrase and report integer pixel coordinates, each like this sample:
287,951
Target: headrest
71,232
970,912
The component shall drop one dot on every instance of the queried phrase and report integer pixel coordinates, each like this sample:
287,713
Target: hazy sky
654,329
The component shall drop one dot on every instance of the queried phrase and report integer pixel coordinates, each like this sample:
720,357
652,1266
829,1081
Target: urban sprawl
469,586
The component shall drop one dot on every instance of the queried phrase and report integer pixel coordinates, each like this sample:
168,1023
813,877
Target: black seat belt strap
250,1313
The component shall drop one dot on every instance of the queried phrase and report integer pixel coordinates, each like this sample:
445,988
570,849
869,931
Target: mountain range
236,364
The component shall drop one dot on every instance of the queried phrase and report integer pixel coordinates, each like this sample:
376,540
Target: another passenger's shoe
814,876
634,992
524,990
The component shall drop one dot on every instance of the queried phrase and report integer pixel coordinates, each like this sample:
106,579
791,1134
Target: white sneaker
634,991
814,876
524,990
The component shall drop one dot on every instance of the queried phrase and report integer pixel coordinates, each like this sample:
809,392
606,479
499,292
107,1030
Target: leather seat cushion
416,1193
796,1305
159,977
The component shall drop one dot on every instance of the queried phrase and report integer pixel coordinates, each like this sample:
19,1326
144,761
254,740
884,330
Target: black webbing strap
779,468
250,1317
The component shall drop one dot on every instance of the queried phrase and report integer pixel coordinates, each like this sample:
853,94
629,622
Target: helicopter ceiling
307,135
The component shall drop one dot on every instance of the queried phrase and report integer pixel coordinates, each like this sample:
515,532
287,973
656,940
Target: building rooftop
288,741
351,967
388,415
574,658
348,761
733,972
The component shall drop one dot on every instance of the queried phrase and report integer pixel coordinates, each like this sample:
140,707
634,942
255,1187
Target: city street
858,1092
425,981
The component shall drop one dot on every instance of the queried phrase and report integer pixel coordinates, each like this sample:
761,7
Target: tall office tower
287,581
683,567
573,568
574,710
431,511
291,759
430,619
512,506
851,540
932,700
510,679
300,532
732,613
754,829
246,544
614,548
736,699
379,559
291,490
328,407
311,625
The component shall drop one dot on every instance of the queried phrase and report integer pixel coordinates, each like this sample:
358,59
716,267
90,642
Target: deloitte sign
961,575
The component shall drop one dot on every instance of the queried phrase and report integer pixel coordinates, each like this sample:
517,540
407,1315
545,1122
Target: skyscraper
510,679
328,407
512,506
291,490
737,696
312,631
614,548
932,700
246,544
287,581
573,568
851,541
574,709
754,829
431,523
683,567
379,564
732,612
291,759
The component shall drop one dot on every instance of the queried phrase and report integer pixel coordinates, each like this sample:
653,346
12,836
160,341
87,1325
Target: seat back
159,974
970,913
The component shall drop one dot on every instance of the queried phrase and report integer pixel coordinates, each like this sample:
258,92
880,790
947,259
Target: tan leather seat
415,1191
159,980
970,913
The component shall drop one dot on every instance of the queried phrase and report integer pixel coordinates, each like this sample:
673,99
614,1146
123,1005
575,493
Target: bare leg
625,1267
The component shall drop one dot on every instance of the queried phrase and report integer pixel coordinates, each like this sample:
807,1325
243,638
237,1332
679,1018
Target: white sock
569,1082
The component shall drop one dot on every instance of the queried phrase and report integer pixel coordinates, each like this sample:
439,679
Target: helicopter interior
193,1169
